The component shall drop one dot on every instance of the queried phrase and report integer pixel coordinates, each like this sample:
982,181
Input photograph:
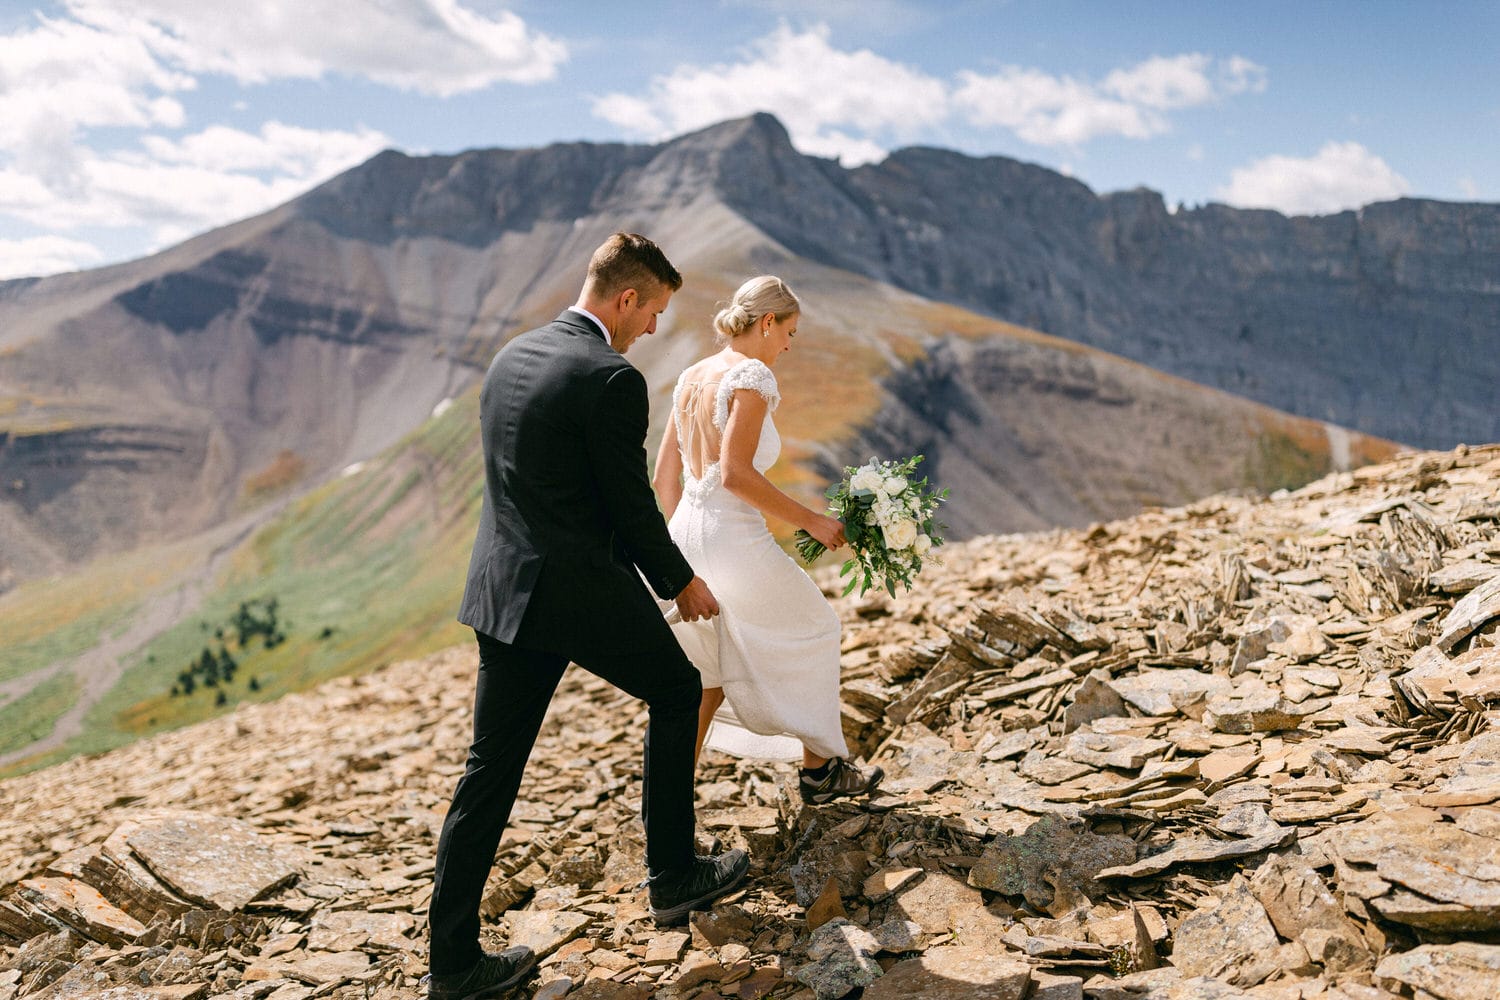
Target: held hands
696,601
827,530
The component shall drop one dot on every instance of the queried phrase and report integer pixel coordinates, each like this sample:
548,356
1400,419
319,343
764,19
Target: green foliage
352,591
31,717
875,502
252,619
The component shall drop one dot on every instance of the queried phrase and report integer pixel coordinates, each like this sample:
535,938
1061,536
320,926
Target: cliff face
1375,319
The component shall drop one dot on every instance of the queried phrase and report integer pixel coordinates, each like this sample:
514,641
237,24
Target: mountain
143,402
1384,319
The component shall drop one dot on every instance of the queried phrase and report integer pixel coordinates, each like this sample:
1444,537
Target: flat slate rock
82,908
212,860
953,973
1463,970
1203,851
545,931
1051,853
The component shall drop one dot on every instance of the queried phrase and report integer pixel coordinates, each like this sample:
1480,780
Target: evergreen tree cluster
216,668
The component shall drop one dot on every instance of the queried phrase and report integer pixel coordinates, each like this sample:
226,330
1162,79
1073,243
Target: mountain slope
143,402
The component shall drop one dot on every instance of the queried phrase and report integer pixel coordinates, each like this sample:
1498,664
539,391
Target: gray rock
212,860
1463,970
1440,861
544,931
1302,909
843,960
1233,940
954,973
1093,699
898,935
1203,851
936,903
832,857
1258,712
1052,853
347,930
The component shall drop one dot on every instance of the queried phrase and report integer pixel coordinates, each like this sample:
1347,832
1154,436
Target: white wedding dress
775,643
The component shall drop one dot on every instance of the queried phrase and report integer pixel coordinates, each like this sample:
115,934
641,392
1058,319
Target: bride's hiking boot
838,779
492,975
675,893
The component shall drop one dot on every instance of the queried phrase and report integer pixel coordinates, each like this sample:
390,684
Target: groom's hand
696,601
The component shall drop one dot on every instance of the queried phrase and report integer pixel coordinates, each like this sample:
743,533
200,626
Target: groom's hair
629,260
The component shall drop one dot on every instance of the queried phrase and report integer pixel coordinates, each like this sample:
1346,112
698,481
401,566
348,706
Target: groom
569,527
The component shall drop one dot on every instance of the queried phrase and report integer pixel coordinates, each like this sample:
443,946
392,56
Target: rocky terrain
1241,748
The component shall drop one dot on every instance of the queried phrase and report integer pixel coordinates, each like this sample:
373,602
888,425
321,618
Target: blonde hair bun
754,299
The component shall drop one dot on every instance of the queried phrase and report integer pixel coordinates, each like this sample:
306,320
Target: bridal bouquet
889,519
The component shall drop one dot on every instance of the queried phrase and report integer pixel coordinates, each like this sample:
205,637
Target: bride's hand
828,530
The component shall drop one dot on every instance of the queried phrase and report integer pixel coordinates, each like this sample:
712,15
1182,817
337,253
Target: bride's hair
754,299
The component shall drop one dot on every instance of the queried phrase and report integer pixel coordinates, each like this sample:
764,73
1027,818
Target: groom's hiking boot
491,976
843,779
675,893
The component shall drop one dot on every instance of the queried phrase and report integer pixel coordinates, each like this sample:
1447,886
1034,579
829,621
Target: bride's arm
668,476
747,415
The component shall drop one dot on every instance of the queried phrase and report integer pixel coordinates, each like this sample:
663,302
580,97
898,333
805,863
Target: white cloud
175,189
1162,82
1238,75
1468,188
1132,102
1342,175
437,47
839,102
1051,110
819,93
124,64
277,147
61,77
38,255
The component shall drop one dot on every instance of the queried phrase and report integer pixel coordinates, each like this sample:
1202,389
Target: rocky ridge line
1236,749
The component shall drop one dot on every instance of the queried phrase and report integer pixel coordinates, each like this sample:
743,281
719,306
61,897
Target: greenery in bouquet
889,518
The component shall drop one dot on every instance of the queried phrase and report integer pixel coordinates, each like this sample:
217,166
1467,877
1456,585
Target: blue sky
129,125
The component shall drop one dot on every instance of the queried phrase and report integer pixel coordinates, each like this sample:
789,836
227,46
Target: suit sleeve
617,450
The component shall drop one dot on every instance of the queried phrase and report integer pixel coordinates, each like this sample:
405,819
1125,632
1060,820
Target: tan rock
953,973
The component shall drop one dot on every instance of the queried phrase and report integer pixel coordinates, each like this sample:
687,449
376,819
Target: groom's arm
616,434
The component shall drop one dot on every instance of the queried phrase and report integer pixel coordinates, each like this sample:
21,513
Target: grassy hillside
363,570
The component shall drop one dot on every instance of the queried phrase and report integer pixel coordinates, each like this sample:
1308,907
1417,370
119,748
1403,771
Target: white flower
885,512
900,534
866,478
922,544
895,485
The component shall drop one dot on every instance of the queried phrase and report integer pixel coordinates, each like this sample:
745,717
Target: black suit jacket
568,508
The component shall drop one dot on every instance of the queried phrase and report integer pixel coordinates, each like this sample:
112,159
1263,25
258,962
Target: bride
770,660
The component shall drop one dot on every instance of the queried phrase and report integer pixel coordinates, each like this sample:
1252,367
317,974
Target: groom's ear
627,299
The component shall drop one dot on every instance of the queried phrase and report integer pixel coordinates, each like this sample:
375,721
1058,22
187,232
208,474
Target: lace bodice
700,408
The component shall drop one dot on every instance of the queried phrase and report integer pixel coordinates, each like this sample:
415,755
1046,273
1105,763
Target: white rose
900,534
865,478
922,544
895,485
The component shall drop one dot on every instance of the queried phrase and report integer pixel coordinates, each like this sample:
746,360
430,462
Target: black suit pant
514,687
